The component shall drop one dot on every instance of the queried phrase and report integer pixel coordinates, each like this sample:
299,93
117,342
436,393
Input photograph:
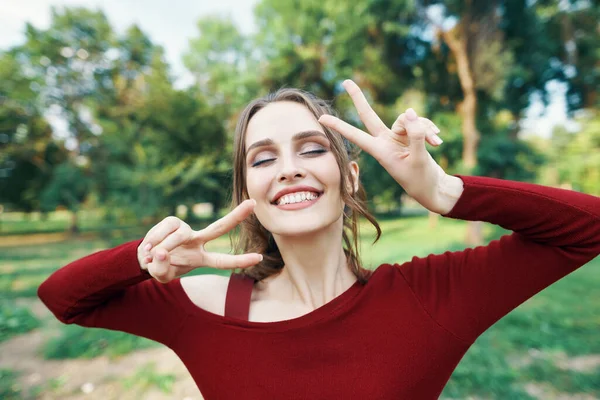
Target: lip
293,189
298,206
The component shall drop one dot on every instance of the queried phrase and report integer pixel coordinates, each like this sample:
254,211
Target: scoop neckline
326,310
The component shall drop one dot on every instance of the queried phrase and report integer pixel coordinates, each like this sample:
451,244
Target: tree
71,59
462,56
69,186
28,152
225,64
573,26
159,147
574,157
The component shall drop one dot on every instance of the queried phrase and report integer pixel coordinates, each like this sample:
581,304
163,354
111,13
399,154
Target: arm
108,289
450,190
556,231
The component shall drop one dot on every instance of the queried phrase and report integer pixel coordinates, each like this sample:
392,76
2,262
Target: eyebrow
297,137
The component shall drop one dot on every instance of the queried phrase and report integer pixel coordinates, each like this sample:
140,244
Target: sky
169,23
172,23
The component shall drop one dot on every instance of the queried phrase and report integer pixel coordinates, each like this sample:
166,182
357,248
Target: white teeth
296,198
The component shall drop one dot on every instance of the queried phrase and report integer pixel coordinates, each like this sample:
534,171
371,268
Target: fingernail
162,257
148,259
437,140
346,82
148,247
261,257
436,129
411,115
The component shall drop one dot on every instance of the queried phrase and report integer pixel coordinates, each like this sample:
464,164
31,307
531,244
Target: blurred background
116,114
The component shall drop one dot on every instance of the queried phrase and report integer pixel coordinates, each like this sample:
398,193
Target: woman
303,320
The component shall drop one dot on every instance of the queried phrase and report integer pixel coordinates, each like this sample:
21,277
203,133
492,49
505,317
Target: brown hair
253,237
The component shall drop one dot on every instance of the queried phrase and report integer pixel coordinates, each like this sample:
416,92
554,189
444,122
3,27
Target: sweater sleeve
108,289
555,231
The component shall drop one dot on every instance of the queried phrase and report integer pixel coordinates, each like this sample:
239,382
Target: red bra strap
239,292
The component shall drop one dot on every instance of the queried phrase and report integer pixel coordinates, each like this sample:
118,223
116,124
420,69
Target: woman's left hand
400,150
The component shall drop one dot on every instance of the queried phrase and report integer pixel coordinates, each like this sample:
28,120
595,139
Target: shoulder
207,291
385,274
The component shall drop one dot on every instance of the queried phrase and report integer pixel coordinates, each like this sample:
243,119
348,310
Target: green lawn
563,319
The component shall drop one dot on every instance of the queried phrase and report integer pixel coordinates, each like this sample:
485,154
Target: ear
354,170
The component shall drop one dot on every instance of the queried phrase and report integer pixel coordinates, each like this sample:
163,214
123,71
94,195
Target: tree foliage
138,147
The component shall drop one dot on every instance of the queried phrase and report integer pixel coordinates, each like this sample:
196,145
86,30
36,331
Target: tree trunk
457,42
74,228
514,132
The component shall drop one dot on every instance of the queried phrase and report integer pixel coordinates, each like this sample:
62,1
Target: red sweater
400,336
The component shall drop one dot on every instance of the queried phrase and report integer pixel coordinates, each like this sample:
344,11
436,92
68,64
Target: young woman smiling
303,319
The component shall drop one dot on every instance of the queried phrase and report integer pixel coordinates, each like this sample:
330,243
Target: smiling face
286,148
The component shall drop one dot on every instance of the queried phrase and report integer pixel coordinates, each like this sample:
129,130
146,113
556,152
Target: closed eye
320,151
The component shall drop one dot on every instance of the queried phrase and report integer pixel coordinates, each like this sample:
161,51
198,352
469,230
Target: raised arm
108,289
555,232
121,289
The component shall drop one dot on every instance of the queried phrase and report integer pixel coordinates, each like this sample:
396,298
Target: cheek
331,174
257,184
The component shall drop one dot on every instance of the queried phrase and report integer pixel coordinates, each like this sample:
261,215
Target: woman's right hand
171,248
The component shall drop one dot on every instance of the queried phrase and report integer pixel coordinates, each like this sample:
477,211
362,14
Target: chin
301,224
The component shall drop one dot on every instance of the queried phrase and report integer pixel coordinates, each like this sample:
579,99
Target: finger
366,114
175,239
399,126
432,131
432,138
417,133
430,124
353,134
227,223
230,261
160,266
160,231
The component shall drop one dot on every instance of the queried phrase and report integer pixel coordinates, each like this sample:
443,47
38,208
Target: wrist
450,189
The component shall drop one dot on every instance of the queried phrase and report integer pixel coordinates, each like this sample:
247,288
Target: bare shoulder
207,291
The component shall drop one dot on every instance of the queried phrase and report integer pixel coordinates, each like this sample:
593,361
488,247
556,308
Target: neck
315,267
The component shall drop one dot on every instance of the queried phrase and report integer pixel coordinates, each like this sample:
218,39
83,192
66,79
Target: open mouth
293,202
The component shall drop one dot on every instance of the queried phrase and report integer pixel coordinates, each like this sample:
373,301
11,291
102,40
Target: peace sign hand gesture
171,248
400,150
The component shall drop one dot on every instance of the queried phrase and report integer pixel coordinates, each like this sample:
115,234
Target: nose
290,170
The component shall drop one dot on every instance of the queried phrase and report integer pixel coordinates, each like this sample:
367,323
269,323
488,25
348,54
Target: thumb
160,266
416,132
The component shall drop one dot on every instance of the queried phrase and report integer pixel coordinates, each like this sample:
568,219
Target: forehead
280,121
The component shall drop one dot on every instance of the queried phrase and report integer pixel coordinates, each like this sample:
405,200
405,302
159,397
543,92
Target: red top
399,336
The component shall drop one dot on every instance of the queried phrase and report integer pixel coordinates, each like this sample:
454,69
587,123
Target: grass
484,371
15,320
15,223
566,381
9,388
18,223
147,377
74,341
562,318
